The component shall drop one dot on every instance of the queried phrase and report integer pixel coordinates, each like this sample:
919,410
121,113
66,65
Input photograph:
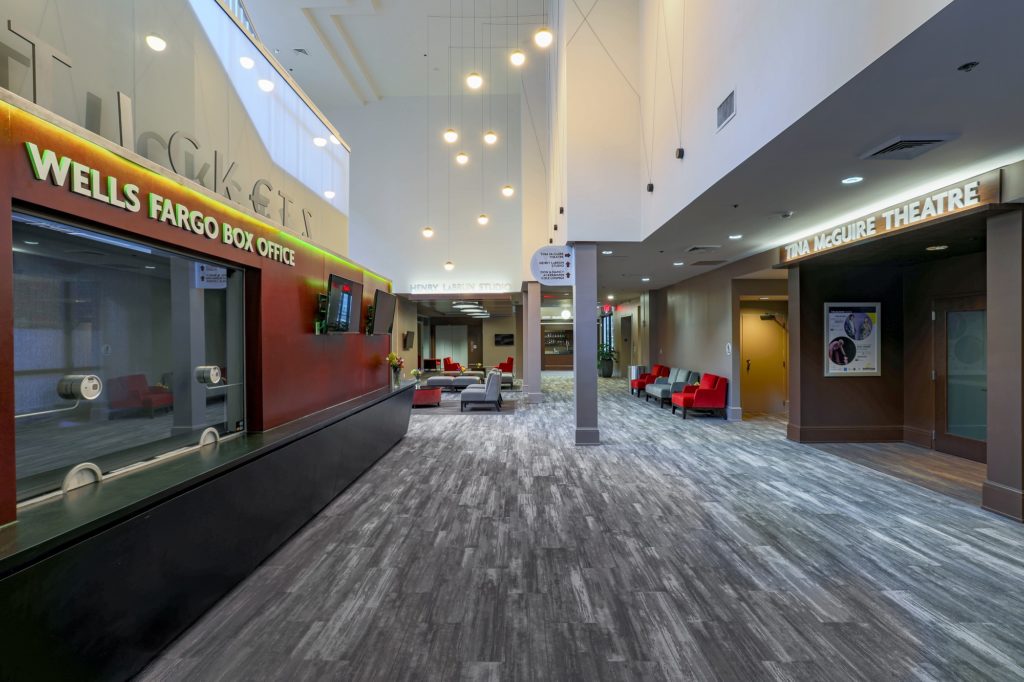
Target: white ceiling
363,50
913,89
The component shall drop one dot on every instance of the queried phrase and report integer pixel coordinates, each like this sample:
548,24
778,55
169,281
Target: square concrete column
1004,483
584,335
531,342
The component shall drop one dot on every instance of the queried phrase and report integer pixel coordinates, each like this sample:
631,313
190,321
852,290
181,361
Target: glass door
961,382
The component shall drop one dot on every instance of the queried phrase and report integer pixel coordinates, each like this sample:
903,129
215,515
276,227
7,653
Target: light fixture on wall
450,136
320,141
449,266
474,81
508,191
566,314
428,232
462,158
156,43
329,193
247,62
543,37
517,58
265,85
483,219
611,297
490,137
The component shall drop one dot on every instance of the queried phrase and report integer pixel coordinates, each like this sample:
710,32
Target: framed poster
853,339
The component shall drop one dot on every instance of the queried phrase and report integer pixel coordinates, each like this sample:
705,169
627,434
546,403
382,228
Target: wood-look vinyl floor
494,549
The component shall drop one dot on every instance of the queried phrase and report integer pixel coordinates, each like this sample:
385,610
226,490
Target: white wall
782,57
389,193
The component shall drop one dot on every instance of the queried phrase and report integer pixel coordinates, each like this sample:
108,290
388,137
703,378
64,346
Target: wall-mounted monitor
344,304
384,305
408,340
504,339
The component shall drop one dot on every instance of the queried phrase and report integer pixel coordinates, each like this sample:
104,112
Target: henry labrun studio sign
980,190
62,171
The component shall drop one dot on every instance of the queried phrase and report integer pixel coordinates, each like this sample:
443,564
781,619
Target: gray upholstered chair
661,389
489,394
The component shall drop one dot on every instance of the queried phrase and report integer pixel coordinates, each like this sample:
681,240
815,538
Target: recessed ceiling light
31,243
852,180
156,43
937,247
247,62
645,279
329,193
764,298
611,297
734,237
265,85
151,267
320,141
607,253
678,263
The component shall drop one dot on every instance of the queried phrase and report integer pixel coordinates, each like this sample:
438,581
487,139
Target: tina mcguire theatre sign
63,171
948,201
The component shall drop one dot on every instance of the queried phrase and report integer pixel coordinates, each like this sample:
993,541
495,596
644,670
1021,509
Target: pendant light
474,81
518,57
450,136
428,232
508,191
483,219
462,158
543,37
449,266
490,137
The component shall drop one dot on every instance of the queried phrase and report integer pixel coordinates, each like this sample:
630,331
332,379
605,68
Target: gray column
188,341
531,342
584,301
1002,491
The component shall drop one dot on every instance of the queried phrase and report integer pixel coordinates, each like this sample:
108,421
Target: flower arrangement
395,361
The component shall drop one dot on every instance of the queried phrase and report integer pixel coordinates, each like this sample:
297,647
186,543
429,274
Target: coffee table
425,396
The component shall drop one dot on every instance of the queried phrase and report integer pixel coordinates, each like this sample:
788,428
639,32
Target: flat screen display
344,299
383,312
504,339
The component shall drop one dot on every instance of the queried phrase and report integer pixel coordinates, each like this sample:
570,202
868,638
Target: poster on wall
852,339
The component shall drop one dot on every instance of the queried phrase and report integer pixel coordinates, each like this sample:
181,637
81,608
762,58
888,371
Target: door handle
748,365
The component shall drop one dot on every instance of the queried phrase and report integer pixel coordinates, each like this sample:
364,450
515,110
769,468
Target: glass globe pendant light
450,136
449,266
474,81
462,158
543,37
490,137
507,191
518,58
483,219
428,232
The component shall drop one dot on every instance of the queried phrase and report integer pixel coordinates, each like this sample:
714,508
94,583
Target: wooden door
961,377
763,354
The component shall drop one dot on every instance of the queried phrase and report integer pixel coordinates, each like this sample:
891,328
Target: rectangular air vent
709,263
300,50
727,109
905,148
702,248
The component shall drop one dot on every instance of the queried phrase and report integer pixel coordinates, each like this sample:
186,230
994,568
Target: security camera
79,387
208,374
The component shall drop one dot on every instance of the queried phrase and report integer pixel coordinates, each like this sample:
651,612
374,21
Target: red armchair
133,392
711,395
451,366
640,384
506,367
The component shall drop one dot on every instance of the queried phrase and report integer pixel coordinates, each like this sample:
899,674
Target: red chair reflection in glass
133,392
640,384
710,395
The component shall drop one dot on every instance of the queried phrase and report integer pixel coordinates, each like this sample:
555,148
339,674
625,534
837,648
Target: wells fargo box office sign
963,196
63,171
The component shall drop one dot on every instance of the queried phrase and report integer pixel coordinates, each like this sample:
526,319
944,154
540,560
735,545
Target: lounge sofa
711,395
641,383
663,387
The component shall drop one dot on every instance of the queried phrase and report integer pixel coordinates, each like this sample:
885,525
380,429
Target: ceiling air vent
300,50
709,263
727,109
700,249
906,148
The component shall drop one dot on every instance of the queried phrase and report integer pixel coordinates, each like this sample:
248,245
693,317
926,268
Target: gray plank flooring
494,549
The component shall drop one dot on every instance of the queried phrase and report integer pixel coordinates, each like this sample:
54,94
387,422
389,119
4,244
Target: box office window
122,352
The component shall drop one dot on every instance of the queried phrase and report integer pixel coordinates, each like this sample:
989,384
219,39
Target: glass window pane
140,319
966,368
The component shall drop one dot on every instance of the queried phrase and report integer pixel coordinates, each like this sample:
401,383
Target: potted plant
606,358
416,374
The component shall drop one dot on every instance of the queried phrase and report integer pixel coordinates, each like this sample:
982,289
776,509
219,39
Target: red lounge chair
451,366
506,367
640,384
711,394
133,392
